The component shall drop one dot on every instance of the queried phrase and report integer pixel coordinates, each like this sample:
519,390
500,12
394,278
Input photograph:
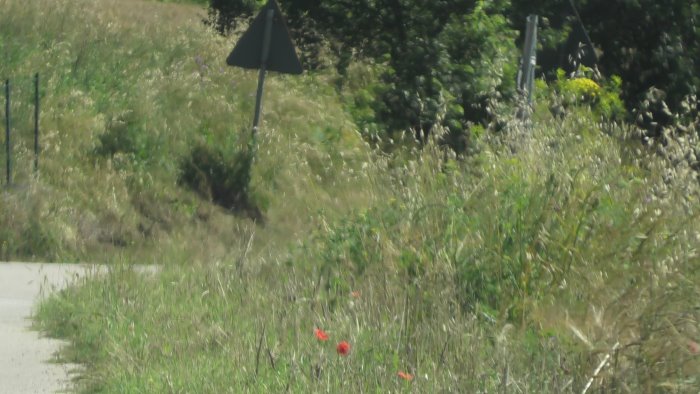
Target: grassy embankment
518,269
127,92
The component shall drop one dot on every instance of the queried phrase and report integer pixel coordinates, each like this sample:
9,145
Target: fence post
8,125
36,124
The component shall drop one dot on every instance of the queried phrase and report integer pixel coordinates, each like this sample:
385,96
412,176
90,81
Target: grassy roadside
517,269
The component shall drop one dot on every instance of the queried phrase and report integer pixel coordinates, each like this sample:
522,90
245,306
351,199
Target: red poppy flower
343,348
405,376
320,334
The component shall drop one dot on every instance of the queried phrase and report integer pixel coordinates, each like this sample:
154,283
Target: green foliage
441,70
647,43
520,265
200,2
119,119
126,134
582,90
225,15
442,63
480,71
530,259
198,328
509,234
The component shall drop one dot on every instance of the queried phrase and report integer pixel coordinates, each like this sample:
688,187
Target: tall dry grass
560,253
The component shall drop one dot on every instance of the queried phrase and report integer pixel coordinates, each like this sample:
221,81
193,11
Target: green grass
516,269
121,111
530,265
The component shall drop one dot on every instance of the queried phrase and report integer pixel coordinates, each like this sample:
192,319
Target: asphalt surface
25,356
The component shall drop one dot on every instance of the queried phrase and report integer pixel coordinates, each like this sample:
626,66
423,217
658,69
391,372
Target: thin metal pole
263,68
258,100
530,57
8,125
36,123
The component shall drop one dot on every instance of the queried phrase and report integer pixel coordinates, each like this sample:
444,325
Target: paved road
24,354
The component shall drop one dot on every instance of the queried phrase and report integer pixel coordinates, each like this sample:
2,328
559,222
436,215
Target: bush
586,89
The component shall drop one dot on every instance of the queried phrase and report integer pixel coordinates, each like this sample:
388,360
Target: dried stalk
600,367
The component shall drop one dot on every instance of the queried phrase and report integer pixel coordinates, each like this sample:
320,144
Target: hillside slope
559,245
128,91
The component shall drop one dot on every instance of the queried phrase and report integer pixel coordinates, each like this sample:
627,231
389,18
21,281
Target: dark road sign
281,55
266,45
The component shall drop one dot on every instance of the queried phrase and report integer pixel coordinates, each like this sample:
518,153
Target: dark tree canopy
225,14
445,60
649,43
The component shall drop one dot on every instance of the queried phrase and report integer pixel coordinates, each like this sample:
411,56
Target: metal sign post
263,68
266,46
8,125
36,123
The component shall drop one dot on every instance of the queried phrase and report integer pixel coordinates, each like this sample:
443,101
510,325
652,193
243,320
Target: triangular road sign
248,52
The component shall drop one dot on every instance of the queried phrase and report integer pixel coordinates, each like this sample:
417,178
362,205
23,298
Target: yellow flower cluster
584,87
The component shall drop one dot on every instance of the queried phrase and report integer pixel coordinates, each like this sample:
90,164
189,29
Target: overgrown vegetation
439,63
553,247
445,62
122,119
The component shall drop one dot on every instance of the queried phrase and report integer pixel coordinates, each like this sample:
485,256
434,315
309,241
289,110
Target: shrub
589,89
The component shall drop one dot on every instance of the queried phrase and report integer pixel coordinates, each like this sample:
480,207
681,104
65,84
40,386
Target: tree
224,15
654,45
444,60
